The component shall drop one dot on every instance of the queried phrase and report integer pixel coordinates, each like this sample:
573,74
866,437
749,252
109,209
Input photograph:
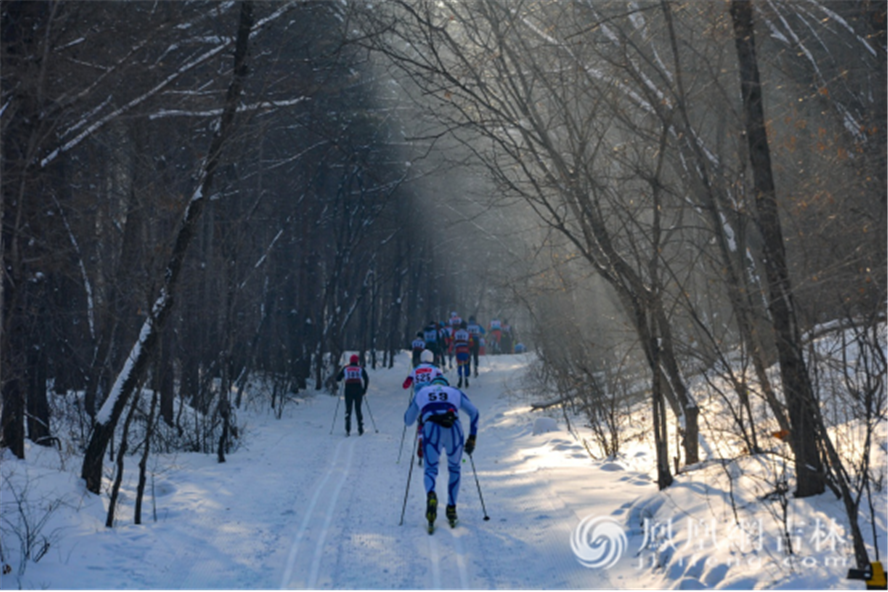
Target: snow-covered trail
299,507
352,538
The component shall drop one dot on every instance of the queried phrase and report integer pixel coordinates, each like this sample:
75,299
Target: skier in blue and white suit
437,408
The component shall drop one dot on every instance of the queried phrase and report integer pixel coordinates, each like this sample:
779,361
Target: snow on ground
300,507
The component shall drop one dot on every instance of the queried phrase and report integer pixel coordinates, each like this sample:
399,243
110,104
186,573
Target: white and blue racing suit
437,407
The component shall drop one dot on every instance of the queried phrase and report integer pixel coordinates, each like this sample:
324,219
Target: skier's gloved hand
470,444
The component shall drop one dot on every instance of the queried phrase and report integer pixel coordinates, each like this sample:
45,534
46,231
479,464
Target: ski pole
474,472
401,449
335,413
371,413
409,476
403,433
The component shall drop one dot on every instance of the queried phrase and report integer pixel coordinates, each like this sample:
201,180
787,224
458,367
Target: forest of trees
307,243
198,192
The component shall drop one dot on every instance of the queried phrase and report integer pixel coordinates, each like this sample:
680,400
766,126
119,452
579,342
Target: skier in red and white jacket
421,377
424,374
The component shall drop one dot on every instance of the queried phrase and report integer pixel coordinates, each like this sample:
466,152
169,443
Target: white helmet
427,356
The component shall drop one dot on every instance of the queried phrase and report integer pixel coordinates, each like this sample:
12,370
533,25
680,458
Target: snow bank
542,425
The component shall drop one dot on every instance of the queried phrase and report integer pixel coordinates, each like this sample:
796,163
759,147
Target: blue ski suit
437,408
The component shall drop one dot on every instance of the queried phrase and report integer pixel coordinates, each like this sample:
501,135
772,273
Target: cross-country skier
447,348
506,340
477,332
462,346
422,376
356,383
432,337
417,346
494,330
452,325
437,408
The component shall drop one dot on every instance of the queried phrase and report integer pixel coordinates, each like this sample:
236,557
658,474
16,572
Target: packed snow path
299,507
348,506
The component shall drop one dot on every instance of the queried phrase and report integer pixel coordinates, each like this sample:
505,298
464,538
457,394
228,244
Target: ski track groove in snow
438,548
460,560
328,518
315,527
294,550
436,563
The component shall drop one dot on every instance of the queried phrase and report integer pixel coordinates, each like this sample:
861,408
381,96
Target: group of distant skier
433,402
464,341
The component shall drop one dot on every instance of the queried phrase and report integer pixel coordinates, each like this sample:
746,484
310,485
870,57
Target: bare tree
498,75
137,362
800,401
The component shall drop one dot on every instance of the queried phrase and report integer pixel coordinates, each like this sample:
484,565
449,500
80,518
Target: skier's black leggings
475,350
353,399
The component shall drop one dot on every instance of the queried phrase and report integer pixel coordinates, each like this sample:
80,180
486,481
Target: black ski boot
460,383
467,381
432,510
451,516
